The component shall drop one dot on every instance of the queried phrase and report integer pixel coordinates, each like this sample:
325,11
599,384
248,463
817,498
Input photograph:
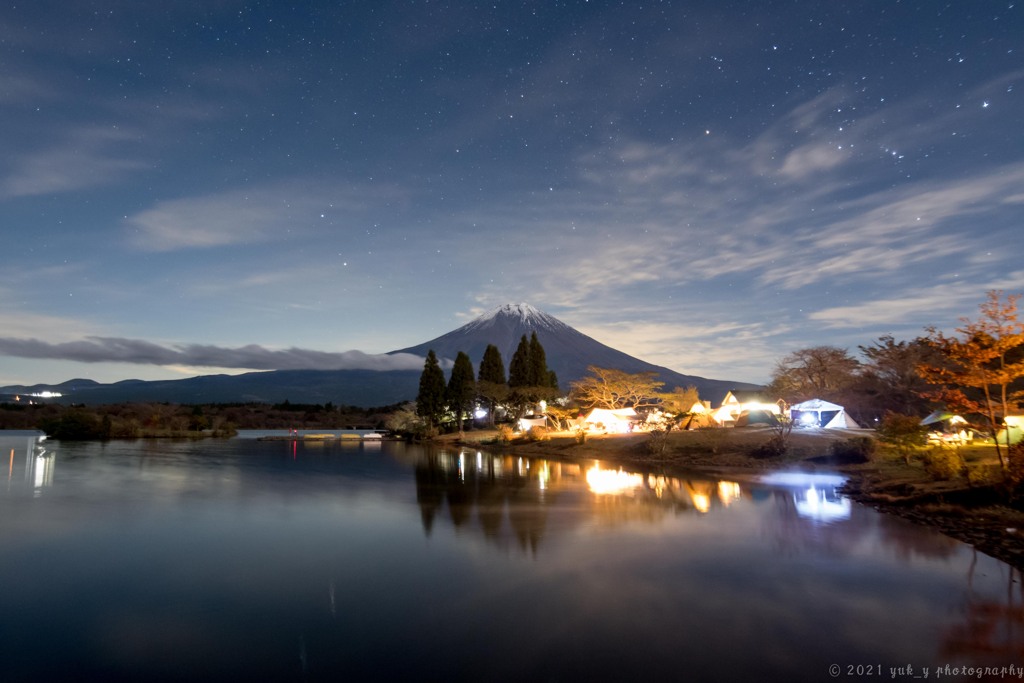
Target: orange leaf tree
983,360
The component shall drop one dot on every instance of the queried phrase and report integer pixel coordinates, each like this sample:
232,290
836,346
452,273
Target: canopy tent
943,417
756,417
738,402
618,421
820,413
530,421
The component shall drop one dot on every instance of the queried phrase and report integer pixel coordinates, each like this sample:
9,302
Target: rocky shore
976,514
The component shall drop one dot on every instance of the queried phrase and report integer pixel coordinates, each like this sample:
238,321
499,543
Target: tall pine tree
461,388
490,381
538,363
529,379
519,367
430,401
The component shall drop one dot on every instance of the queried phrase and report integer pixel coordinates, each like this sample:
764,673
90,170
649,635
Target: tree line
977,371
451,403
142,420
529,382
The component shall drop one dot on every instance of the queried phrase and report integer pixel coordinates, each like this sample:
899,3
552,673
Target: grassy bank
975,510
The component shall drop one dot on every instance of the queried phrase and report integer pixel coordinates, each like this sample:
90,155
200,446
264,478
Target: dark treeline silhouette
133,420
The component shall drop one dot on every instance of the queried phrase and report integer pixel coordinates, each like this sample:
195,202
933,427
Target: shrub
772,448
505,434
75,425
657,444
854,449
538,434
1014,475
581,436
903,434
944,463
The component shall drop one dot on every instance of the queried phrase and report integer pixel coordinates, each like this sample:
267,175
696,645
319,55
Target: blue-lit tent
820,413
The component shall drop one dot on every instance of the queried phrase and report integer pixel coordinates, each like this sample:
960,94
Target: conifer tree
529,379
430,401
491,386
519,367
461,388
538,363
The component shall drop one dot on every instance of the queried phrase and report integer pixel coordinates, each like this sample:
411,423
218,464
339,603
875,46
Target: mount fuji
569,353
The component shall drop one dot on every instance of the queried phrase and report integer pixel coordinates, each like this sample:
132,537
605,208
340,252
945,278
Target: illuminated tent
738,402
1013,429
615,421
756,417
530,421
820,413
943,417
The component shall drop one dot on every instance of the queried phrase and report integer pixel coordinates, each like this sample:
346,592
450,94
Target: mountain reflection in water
287,560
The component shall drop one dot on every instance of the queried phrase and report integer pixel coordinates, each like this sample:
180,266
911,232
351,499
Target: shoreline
973,514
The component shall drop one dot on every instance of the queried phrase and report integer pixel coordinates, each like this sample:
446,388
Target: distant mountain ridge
569,353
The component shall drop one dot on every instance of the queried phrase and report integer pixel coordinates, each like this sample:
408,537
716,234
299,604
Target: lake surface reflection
157,560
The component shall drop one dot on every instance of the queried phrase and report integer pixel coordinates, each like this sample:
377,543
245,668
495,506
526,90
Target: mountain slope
569,352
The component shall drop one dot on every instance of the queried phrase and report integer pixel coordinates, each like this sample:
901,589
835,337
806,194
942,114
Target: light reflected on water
287,560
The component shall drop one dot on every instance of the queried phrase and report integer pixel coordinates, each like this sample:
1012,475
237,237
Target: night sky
704,185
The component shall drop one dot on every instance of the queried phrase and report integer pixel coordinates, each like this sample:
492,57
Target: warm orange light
612,482
728,491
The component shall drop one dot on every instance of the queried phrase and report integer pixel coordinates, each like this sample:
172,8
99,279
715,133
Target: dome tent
820,413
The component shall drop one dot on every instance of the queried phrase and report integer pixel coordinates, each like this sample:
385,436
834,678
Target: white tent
820,413
530,421
616,421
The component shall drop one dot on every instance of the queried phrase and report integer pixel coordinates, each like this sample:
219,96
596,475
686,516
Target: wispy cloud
89,157
917,305
251,357
243,216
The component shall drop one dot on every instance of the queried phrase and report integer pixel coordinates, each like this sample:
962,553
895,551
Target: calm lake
283,560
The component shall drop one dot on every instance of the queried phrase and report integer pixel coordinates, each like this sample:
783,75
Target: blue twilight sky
705,185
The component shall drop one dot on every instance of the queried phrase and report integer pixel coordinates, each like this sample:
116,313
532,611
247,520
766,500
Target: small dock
326,436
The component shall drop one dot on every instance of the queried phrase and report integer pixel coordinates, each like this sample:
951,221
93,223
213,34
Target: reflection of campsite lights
479,461
658,484
816,505
612,482
462,466
43,471
522,467
701,501
728,491
543,476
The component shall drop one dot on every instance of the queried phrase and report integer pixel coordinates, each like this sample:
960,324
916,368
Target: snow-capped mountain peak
522,313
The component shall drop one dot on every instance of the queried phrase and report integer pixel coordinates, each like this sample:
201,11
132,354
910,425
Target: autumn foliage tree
610,388
976,368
